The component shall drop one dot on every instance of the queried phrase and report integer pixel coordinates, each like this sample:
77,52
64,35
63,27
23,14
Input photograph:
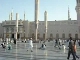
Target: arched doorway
57,35
33,37
18,36
76,36
38,36
63,36
44,36
70,35
12,35
51,36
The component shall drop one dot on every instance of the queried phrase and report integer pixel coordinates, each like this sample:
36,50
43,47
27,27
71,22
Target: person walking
74,48
70,51
30,45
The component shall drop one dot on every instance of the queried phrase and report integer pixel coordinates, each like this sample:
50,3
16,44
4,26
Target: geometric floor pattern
19,52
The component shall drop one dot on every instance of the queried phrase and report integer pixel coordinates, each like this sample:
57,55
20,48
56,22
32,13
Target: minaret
9,17
12,15
16,31
78,9
45,20
36,17
78,13
24,15
69,14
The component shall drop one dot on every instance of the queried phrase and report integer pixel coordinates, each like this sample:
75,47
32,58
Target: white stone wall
59,27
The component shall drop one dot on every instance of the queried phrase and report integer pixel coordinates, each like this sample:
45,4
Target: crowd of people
58,43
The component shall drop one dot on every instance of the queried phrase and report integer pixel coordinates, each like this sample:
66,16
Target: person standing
70,51
79,42
30,45
14,41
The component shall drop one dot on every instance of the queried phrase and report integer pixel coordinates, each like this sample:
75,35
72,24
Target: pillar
45,20
16,27
36,17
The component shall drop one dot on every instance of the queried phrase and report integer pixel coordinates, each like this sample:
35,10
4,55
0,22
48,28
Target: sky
57,9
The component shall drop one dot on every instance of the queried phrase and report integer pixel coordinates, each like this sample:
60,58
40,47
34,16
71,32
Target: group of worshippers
7,44
72,49
57,43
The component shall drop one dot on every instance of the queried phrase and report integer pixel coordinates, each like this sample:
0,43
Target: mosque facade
55,29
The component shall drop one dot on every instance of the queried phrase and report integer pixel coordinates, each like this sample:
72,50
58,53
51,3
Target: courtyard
19,52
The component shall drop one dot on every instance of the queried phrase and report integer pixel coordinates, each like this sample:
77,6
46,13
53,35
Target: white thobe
30,45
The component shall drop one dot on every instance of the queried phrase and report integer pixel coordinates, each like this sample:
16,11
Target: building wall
57,27
1,30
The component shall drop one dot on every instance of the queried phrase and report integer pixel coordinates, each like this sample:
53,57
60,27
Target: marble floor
19,52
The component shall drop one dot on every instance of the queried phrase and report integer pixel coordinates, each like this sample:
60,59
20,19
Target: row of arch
57,36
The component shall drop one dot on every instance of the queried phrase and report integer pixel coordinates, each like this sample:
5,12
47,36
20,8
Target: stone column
45,19
16,27
36,17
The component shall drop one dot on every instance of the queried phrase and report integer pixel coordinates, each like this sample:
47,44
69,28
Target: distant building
55,29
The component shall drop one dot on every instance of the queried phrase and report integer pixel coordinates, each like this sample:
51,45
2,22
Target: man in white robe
30,45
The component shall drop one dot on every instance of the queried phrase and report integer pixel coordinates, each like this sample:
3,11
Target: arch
70,35
43,35
51,36
38,36
33,36
57,35
76,36
63,35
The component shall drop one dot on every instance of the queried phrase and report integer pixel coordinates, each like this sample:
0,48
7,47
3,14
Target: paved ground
20,52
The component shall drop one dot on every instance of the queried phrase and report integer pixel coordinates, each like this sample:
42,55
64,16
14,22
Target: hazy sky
57,9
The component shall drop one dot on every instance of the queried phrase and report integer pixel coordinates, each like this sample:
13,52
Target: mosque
54,29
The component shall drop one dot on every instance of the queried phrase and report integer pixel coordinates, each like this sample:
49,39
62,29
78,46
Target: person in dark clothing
3,45
14,41
56,43
70,51
79,42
